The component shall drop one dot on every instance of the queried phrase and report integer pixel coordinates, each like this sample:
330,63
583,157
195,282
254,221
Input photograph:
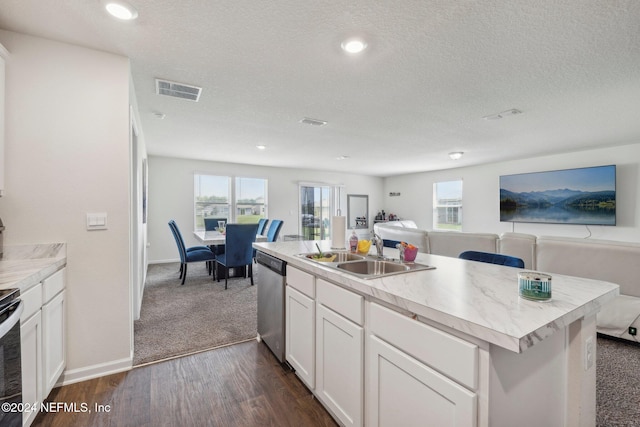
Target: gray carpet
617,383
176,320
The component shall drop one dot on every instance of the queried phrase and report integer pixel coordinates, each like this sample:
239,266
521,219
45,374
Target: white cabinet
53,329
339,360
340,352
300,336
31,351
300,324
42,337
415,374
3,55
402,391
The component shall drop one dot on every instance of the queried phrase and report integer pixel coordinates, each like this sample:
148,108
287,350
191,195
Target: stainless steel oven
10,362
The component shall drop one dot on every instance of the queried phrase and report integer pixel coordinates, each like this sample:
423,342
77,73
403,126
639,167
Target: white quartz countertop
476,298
23,266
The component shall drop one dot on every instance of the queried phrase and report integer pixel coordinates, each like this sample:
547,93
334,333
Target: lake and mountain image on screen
570,196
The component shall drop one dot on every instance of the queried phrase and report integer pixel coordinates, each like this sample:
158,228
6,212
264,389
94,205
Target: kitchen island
454,345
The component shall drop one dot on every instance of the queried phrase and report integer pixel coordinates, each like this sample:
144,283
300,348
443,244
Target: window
250,200
211,198
241,200
447,205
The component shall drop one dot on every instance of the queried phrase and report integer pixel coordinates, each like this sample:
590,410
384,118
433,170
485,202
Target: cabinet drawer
32,300
304,282
342,301
452,356
52,285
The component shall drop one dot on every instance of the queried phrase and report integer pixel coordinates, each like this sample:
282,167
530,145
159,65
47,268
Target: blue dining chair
274,230
191,254
262,225
492,258
239,252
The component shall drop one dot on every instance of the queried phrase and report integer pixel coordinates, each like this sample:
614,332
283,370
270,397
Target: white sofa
613,261
402,231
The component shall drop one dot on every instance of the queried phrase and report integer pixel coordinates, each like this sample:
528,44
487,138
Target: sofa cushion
611,261
519,245
453,243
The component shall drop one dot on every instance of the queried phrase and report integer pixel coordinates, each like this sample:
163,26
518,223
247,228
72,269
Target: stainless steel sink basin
340,257
371,269
374,267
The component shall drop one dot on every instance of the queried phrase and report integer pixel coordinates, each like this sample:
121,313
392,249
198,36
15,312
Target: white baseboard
95,371
164,261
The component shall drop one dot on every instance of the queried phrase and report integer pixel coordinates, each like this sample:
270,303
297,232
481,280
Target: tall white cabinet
300,324
53,329
43,341
31,350
3,56
340,352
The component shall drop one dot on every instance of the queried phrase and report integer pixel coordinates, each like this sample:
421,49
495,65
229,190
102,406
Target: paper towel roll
339,232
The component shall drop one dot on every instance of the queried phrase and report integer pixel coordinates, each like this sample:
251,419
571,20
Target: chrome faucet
377,240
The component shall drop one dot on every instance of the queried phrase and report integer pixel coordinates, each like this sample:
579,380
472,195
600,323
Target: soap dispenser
353,241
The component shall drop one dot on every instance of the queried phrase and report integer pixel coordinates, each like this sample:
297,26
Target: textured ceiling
432,70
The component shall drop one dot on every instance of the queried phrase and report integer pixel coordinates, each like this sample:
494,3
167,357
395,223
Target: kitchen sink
374,267
365,266
339,257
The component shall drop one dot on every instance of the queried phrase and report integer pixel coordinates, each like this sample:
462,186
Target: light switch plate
97,221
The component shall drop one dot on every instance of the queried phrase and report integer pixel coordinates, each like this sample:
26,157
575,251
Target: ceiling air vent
313,122
178,90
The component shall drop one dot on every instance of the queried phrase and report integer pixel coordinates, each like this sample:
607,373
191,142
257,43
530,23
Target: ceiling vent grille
178,90
313,122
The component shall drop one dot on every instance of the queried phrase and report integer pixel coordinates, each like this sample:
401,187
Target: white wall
481,194
171,196
67,153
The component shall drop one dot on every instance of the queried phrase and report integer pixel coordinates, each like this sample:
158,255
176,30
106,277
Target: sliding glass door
316,209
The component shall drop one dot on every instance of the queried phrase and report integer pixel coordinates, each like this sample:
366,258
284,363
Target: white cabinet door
401,391
53,338
300,335
3,53
339,366
31,358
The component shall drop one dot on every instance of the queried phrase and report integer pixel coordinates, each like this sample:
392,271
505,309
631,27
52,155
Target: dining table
214,237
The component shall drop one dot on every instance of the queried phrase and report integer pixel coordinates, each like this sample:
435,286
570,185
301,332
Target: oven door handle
14,318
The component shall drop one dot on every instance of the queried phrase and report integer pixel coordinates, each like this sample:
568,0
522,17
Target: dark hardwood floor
238,385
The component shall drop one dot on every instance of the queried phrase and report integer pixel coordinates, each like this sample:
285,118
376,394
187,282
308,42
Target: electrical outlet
589,355
633,331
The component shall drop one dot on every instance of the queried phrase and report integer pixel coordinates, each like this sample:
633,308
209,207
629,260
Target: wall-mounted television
569,196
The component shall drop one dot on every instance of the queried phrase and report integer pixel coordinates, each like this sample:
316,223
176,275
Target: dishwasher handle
272,263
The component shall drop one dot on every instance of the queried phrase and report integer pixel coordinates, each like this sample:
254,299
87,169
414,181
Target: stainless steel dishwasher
270,279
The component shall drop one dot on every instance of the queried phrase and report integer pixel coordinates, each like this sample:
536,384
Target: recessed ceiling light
121,10
313,122
353,45
455,155
261,147
342,157
503,114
